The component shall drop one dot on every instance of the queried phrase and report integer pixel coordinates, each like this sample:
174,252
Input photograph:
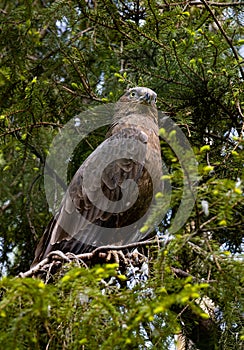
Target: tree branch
30,126
101,252
229,41
181,273
198,3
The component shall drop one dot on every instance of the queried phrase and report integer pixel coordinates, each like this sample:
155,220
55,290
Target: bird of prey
110,196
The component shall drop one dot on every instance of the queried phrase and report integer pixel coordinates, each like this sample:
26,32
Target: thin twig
37,125
229,41
215,259
181,273
198,3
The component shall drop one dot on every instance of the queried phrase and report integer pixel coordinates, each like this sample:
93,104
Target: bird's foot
116,256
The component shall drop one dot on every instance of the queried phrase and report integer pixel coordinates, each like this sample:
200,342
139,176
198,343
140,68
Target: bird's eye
132,94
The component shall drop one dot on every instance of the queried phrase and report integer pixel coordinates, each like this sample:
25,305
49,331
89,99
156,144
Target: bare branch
101,252
121,247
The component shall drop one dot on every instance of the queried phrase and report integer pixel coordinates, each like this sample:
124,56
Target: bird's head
141,95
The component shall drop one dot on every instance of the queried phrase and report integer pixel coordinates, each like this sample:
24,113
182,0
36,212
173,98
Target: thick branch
101,252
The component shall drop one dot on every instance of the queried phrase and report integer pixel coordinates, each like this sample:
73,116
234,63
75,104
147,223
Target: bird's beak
146,98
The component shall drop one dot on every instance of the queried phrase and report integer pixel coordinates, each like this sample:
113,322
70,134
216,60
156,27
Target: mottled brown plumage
90,214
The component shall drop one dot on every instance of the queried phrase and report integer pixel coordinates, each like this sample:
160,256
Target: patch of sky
100,85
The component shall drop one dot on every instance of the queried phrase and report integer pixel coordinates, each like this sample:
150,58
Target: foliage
87,307
57,59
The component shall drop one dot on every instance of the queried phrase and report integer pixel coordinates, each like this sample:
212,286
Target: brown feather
77,225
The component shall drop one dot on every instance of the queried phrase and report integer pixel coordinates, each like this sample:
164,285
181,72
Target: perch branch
68,257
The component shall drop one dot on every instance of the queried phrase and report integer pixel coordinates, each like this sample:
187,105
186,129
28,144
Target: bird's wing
101,179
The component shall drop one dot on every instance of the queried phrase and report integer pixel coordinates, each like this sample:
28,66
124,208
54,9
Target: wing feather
76,227
77,212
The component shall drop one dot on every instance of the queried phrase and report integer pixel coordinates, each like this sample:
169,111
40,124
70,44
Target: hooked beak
146,98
